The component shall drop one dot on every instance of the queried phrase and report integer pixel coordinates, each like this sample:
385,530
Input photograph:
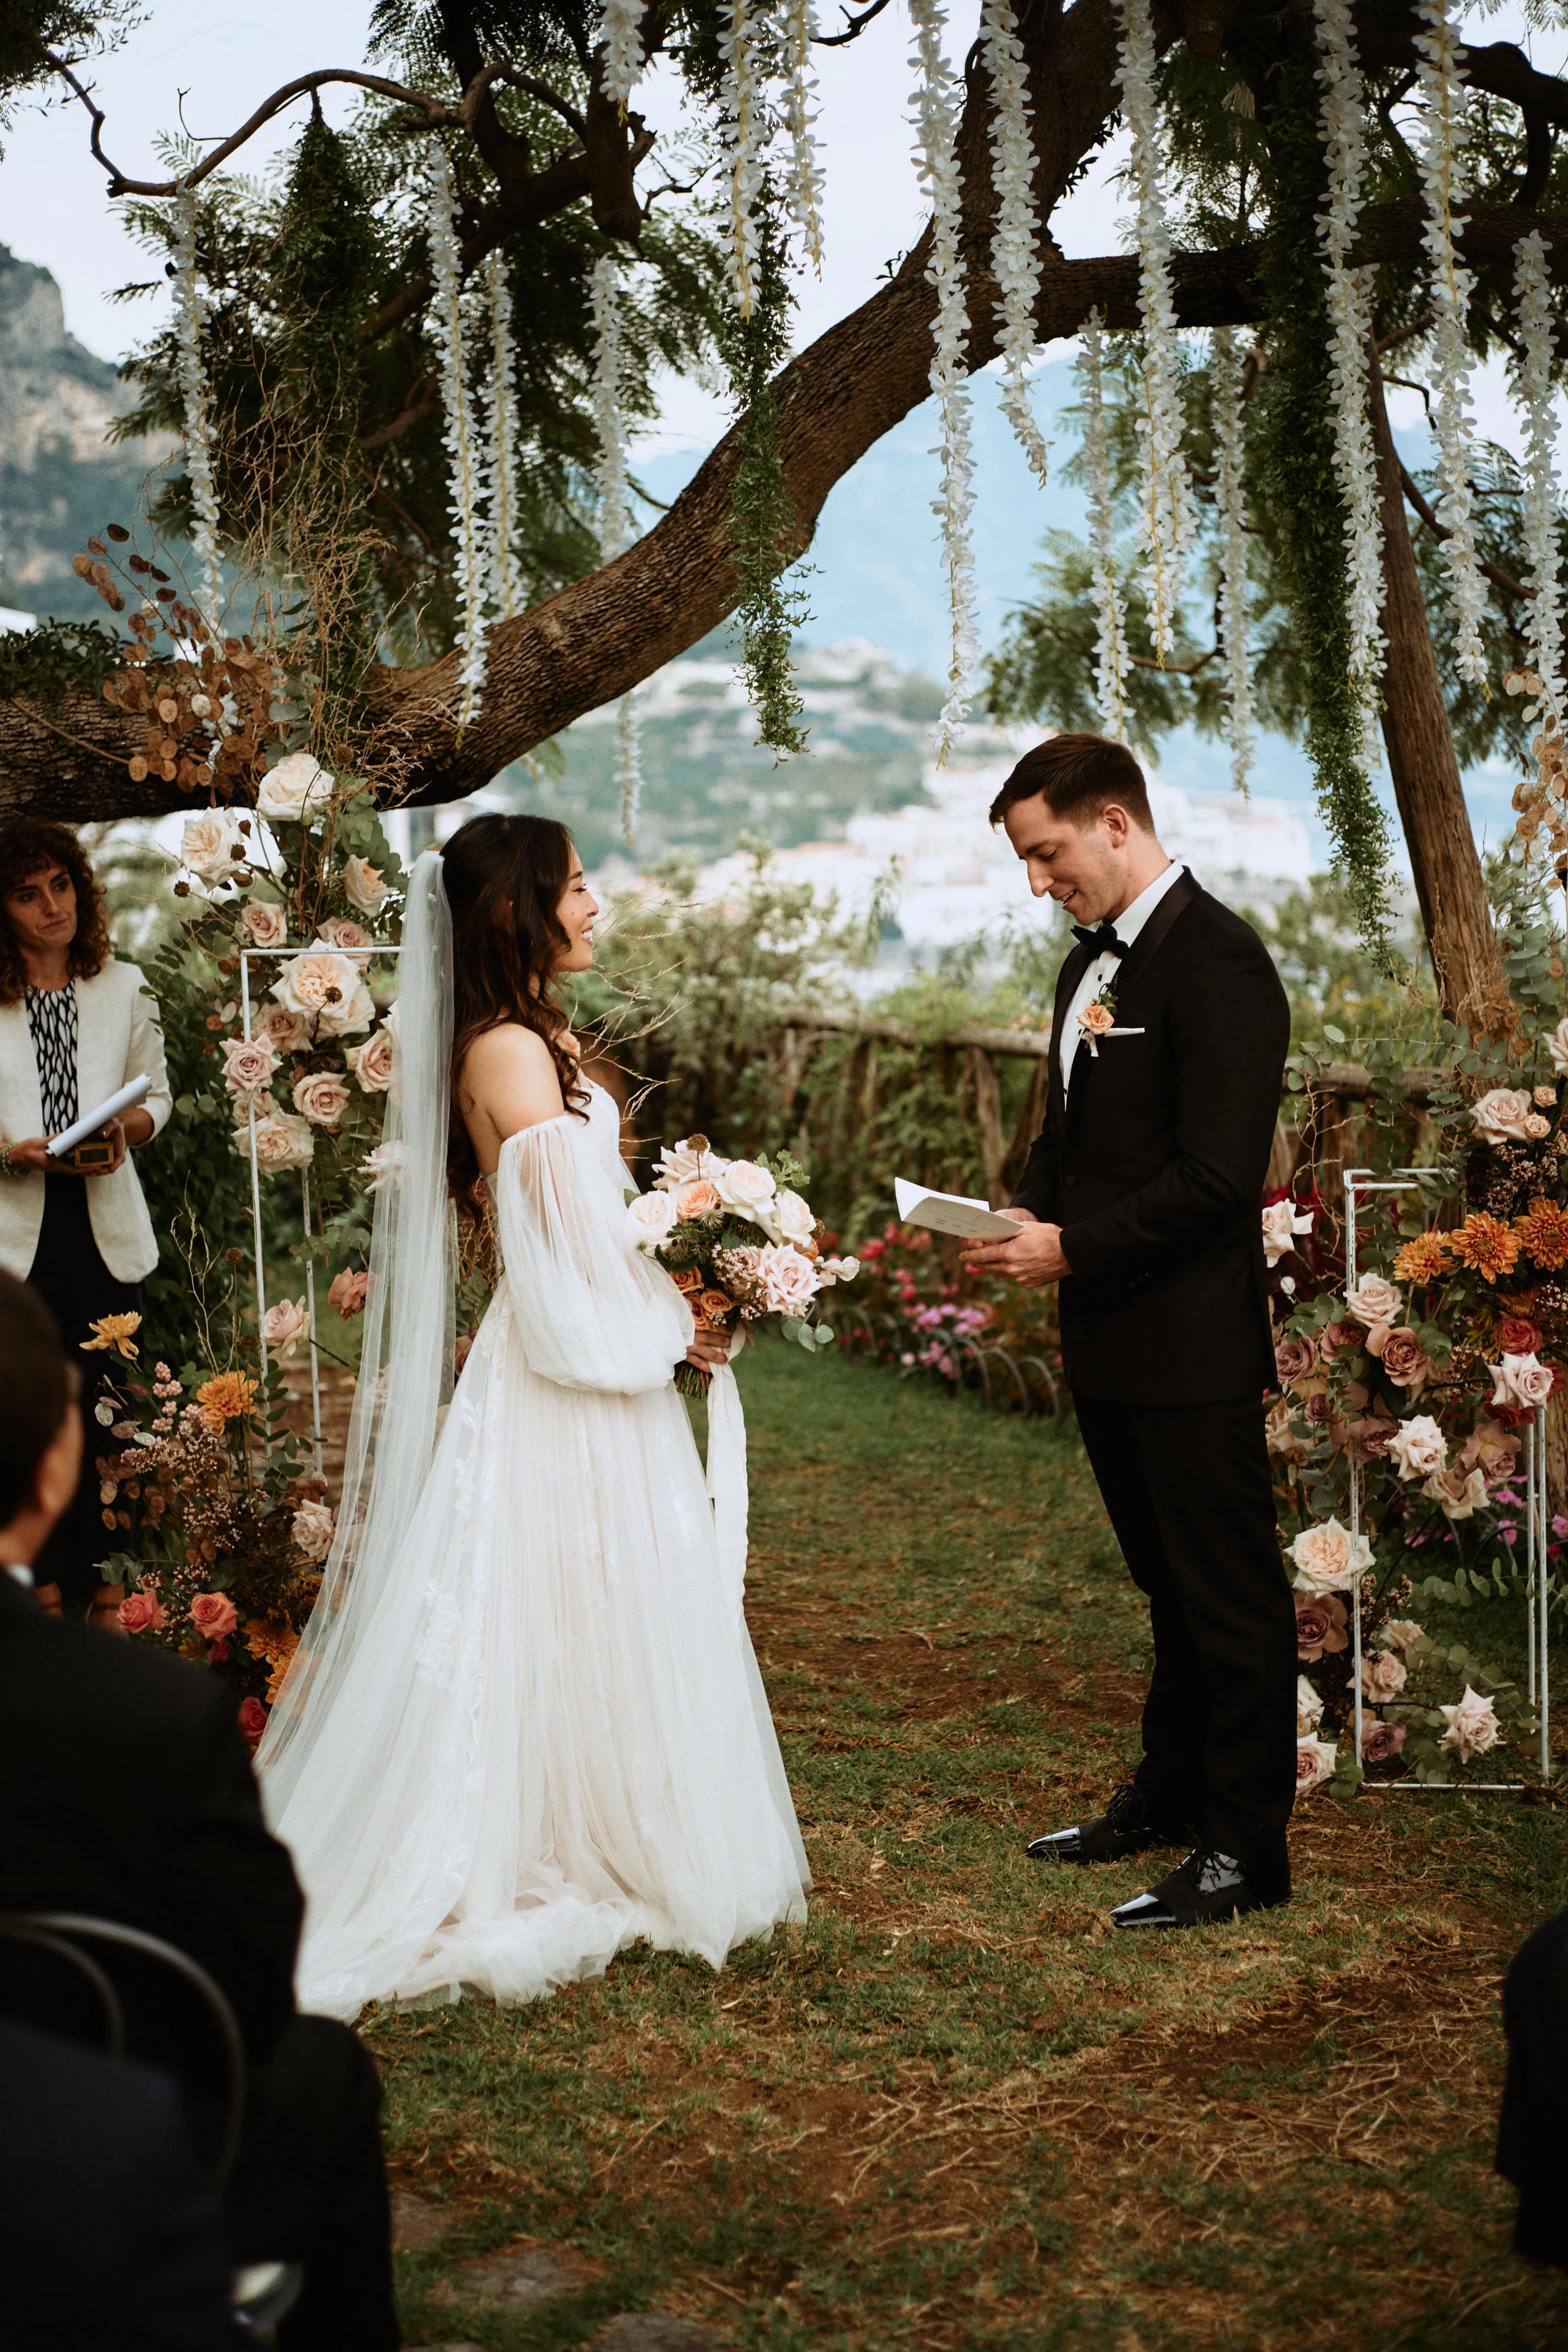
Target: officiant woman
75,1025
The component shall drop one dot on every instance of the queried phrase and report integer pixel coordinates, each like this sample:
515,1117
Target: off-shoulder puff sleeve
591,1313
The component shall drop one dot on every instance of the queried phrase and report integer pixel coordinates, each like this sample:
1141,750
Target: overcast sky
212,73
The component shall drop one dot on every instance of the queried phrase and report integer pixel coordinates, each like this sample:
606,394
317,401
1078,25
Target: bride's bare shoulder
508,1075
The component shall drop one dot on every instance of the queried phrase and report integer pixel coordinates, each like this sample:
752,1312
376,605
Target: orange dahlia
1424,1259
1486,1246
1543,1232
226,1397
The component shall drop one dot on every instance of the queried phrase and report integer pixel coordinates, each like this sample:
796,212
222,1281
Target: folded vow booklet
951,1213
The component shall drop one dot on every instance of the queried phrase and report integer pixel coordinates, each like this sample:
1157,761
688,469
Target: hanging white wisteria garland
1110,652
1439,151
1343,121
502,468
1014,240
196,431
622,31
459,431
1166,521
937,103
1227,383
1533,390
743,132
615,501
803,192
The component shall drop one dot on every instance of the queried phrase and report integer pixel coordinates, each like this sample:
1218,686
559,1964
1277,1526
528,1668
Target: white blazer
119,1036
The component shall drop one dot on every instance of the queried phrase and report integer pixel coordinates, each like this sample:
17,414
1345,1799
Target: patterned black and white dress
69,1272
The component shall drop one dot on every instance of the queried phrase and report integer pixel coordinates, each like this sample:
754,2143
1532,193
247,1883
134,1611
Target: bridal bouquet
738,1237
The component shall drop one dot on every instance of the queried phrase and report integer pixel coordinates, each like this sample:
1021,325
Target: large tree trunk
1450,884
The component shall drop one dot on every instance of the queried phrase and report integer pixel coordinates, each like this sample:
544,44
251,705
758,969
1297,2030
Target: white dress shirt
1104,968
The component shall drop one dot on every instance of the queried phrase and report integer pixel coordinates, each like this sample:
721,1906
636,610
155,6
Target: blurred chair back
130,1994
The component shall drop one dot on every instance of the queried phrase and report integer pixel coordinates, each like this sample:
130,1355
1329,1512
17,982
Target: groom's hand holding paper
992,1243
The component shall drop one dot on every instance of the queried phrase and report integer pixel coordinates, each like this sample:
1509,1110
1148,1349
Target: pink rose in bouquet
252,1719
1314,1763
347,1291
1380,1740
1321,1619
1515,1337
214,1616
1523,1383
1293,1361
1405,1360
140,1612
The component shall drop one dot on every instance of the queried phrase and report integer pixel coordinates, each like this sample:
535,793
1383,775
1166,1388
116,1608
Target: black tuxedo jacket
1153,1162
126,1791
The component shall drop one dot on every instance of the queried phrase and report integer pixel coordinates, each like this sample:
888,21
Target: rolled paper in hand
134,1091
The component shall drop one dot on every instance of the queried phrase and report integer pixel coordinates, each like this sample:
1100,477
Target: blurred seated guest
75,1027
1532,2143
153,2274
83,1722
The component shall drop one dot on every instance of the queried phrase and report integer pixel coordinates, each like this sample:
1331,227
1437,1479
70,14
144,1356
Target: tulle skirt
551,1738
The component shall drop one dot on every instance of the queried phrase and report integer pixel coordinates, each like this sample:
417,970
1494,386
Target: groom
1141,1197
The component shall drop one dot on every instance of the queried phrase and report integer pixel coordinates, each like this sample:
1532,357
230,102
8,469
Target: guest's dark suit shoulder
129,1792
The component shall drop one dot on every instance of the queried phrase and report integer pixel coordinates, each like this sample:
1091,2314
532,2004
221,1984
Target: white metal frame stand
1536,1596
248,956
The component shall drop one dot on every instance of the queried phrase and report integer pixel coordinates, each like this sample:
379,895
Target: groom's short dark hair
1078,775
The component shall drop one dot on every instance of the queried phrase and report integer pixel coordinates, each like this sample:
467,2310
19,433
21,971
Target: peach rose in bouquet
214,1616
286,1327
266,926
1383,1677
1326,1559
372,1062
347,937
313,1527
283,1141
322,1097
1523,1383
210,846
347,1291
295,790
1502,1115
364,886
1373,1300
140,1612
1314,1763
1418,1448
289,1034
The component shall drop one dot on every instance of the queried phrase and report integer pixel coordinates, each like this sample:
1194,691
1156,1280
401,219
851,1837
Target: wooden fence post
988,1119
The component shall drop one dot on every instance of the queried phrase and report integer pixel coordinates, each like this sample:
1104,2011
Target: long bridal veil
406,1363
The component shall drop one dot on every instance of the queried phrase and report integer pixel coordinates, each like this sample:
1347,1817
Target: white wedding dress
540,1733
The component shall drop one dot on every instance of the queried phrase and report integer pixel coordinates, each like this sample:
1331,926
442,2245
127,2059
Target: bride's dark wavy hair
504,876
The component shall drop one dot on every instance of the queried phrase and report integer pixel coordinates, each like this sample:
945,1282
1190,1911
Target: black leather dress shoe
1126,1826
1206,1886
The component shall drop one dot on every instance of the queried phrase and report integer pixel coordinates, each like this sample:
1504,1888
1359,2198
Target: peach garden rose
214,1616
283,1141
312,1529
1325,1559
372,1062
266,926
322,1097
364,886
249,1065
1473,1728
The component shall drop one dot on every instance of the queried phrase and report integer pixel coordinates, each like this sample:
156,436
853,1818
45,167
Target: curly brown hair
504,876
28,845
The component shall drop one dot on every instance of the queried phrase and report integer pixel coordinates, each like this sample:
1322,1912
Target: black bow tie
1104,940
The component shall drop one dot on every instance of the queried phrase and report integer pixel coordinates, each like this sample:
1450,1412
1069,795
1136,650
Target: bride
524,1725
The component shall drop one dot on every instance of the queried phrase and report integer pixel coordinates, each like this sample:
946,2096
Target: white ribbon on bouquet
727,1479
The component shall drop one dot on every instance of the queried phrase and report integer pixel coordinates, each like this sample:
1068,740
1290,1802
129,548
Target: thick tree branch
1503,581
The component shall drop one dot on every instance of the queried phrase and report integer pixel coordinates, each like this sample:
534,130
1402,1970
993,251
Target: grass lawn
955,2109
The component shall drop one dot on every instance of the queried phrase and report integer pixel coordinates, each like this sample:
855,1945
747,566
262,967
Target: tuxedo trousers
1190,1496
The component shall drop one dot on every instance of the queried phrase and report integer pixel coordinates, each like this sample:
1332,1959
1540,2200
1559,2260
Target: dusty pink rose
140,1612
678,1163
283,1326
282,1141
1383,1677
1373,1300
372,1062
341,931
266,926
1418,1448
1293,1359
287,1031
1321,1622
249,1065
1522,1381
347,1292
1490,1447
1405,1360
1282,1221
1502,1115
1314,1763
214,1616
697,1199
1319,1410
1380,1740
312,1529
1334,1338
1473,1727
252,1719
1515,1337
318,982
1400,1634
321,1097
1369,1438
789,1280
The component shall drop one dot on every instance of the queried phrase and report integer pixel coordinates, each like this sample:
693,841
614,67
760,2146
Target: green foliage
58,658
768,614
1338,990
